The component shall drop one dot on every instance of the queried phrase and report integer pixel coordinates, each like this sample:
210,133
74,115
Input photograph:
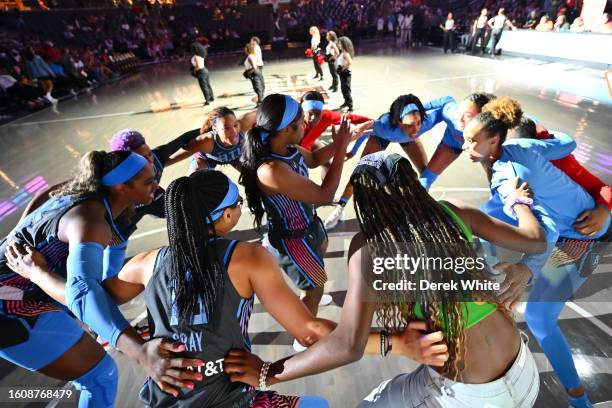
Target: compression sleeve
85,296
164,152
113,260
550,149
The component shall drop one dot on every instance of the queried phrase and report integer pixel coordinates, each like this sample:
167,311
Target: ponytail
195,271
213,115
256,147
89,172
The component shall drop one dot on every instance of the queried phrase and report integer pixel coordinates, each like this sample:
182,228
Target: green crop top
475,311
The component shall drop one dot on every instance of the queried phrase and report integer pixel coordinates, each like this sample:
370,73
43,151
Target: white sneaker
335,217
50,99
325,300
298,347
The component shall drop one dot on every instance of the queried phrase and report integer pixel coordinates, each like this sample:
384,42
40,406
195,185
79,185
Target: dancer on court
488,360
79,242
274,174
315,47
331,54
574,255
253,72
201,73
200,289
345,63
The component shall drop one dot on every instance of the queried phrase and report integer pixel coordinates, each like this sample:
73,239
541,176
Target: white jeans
425,388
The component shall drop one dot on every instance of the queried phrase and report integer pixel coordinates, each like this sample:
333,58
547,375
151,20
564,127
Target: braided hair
401,217
195,268
254,151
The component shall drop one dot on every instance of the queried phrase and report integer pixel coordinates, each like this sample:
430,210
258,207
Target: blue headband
124,171
230,199
411,107
310,104
291,110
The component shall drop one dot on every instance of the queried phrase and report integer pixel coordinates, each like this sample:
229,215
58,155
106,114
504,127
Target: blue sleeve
113,260
551,149
427,178
535,262
358,144
438,103
85,296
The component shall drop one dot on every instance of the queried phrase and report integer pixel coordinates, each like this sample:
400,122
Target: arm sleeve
358,144
164,152
535,262
357,118
600,191
551,149
114,256
85,296
438,103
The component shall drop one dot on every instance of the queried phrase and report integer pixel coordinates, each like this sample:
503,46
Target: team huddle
65,259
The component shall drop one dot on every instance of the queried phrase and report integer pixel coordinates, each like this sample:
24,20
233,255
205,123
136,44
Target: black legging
204,82
333,72
345,86
317,66
259,86
480,33
449,41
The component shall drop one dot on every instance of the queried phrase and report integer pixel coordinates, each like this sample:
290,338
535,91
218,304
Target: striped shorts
301,257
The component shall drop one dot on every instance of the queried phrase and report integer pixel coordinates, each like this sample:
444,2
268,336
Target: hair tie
124,171
411,107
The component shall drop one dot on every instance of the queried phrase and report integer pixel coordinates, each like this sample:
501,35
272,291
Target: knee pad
311,401
98,386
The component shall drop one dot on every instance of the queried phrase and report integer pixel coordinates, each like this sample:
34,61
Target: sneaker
50,99
335,217
298,347
325,300
576,402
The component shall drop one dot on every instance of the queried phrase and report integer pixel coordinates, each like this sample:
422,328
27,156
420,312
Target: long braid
402,214
195,269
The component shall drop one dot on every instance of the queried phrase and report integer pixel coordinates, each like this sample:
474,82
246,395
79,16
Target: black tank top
202,341
18,295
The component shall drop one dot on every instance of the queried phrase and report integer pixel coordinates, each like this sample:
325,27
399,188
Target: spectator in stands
606,24
22,93
37,68
532,21
449,33
578,25
545,24
480,31
497,25
561,24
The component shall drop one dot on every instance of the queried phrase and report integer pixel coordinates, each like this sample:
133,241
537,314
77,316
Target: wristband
509,207
263,374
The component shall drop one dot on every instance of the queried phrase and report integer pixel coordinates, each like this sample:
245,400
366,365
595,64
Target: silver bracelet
263,374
